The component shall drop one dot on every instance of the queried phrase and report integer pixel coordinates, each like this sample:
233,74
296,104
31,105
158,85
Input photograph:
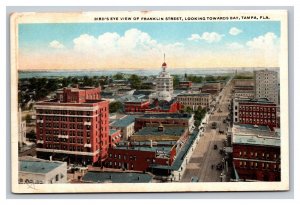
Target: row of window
258,121
72,140
64,112
255,154
257,114
119,156
256,108
255,165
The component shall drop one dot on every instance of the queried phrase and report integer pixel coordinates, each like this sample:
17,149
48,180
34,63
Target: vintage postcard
149,101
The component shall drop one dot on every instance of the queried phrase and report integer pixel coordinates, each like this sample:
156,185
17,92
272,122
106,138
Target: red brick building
141,106
255,112
138,105
139,158
156,145
256,157
74,127
178,119
185,84
157,106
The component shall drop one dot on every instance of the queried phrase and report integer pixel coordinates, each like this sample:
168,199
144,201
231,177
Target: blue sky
42,34
48,42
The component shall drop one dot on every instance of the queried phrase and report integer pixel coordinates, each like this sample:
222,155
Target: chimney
50,158
160,128
151,145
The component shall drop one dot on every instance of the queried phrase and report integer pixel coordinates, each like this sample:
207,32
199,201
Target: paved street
204,156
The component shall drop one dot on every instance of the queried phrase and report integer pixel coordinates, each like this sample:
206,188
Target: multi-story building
137,105
38,171
164,81
266,85
185,84
74,126
114,137
255,112
153,145
243,82
195,100
256,153
126,125
178,119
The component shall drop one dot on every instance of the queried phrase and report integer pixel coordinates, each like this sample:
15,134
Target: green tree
115,107
135,81
189,110
118,76
175,81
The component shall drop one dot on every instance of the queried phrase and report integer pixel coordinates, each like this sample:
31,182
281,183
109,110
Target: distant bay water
78,73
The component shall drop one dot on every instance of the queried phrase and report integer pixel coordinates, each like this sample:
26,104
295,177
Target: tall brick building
255,112
74,127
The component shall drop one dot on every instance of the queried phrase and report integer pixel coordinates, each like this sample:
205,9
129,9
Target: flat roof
249,129
171,115
41,167
124,121
165,149
256,140
167,131
112,131
194,94
260,100
181,155
117,177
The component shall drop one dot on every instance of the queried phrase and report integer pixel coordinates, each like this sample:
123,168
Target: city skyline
131,45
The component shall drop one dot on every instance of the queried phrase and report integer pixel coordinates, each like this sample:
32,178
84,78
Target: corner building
74,127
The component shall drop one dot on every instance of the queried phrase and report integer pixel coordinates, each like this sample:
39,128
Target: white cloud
267,41
133,44
234,46
206,36
56,44
235,31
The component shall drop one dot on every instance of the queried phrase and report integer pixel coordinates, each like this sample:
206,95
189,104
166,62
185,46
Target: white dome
164,95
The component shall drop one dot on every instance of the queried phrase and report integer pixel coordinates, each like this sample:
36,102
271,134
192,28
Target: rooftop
124,122
112,131
171,115
259,101
116,177
165,149
181,155
167,131
255,130
195,94
256,140
42,167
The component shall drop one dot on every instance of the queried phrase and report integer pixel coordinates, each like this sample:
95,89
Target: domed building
164,95
164,85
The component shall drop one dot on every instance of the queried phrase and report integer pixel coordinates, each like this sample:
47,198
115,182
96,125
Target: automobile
219,166
214,125
194,179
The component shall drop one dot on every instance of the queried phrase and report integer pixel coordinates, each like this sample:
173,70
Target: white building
195,100
164,85
39,171
266,85
126,125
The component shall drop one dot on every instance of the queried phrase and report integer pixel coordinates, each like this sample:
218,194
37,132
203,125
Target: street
205,155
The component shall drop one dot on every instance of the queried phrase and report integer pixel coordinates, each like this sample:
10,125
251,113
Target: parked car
214,125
